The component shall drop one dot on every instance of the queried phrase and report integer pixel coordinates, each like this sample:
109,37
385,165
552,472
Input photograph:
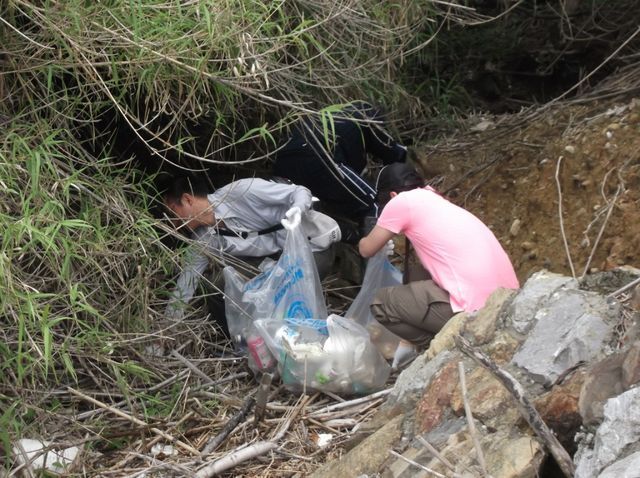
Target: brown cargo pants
415,312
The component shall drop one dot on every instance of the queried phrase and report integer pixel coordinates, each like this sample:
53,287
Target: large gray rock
628,467
534,294
574,326
620,428
414,378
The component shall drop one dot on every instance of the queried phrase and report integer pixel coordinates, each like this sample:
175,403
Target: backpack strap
248,234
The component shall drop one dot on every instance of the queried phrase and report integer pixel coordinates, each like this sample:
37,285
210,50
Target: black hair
396,177
173,187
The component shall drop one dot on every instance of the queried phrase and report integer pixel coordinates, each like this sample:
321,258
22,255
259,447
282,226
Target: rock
559,408
413,379
603,380
572,327
533,295
626,468
570,149
512,457
482,125
436,397
487,397
502,348
515,227
444,340
367,457
620,428
42,455
482,327
631,366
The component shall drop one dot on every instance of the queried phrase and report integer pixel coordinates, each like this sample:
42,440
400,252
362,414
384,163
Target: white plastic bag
345,362
379,273
288,290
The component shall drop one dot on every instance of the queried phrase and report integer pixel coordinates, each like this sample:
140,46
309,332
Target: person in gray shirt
241,219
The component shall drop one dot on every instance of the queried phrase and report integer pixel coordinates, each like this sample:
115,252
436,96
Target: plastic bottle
260,352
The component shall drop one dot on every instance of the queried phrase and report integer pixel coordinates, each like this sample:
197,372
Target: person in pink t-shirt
463,257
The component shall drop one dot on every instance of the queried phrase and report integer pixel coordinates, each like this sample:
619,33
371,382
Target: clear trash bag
379,273
288,290
345,362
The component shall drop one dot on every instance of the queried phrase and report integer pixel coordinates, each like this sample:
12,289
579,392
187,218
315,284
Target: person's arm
374,241
278,194
195,263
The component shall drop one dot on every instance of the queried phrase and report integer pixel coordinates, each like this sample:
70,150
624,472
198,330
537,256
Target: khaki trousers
415,312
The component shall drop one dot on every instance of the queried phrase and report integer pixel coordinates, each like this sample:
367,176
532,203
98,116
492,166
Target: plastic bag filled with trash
379,273
344,361
288,289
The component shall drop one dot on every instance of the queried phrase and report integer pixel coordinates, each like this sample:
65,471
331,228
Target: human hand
389,247
292,218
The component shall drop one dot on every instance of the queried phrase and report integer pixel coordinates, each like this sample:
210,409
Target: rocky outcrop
557,340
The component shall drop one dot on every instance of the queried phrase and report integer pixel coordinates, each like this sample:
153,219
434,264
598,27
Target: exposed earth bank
504,169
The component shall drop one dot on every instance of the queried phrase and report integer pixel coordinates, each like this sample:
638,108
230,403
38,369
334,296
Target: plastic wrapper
379,273
344,362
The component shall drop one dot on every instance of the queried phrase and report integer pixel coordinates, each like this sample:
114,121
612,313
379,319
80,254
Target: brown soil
505,175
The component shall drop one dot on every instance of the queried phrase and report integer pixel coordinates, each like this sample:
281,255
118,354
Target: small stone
613,126
607,145
515,227
502,348
570,149
603,380
527,246
586,183
609,134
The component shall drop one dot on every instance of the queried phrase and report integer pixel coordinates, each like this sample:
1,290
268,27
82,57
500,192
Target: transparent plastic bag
379,273
345,362
286,290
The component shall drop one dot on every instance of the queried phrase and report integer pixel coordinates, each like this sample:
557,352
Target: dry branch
229,427
527,410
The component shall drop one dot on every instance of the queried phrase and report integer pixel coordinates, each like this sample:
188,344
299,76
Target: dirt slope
503,170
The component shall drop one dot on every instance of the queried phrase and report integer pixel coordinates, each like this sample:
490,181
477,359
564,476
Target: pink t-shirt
461,253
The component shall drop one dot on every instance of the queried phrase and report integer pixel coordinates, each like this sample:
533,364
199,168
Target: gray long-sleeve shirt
250,205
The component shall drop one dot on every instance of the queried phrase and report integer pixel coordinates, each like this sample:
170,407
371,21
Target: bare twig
564,236
417,465
472,426
229,427
137,421
439,456
527,410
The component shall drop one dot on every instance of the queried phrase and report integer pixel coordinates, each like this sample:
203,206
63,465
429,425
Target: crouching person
463,257
243,220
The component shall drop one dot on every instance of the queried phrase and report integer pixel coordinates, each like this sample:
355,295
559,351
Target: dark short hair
396,177
173,187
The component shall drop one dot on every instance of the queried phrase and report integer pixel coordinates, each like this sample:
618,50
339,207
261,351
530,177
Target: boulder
367,457
631,366
502,348
619,429
482,327
572,327
628,467
436,397
509,456
535,292
444,340
412,381
603,380
559,409
486,395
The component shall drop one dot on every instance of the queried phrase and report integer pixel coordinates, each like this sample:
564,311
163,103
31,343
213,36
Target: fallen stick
262,397
252,451
192,367
137,421
417,465
349,403
439,456
215,442
472,425
624,288
524,405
